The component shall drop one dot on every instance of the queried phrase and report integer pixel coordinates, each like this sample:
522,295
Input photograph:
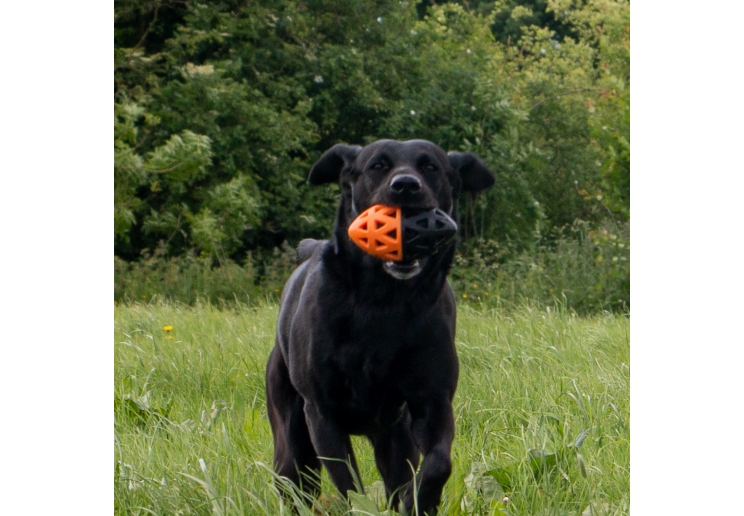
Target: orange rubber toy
377,232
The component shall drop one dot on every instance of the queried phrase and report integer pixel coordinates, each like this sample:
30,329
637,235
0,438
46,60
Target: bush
579,268
221,109
583,269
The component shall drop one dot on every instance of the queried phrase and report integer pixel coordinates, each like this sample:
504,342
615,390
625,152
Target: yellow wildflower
167,328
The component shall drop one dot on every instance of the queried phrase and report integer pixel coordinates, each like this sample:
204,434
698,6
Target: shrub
583,269
580,268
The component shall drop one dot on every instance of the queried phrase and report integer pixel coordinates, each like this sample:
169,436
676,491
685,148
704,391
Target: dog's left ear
328,168
473,173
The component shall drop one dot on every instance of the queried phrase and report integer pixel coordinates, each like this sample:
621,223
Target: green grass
542,412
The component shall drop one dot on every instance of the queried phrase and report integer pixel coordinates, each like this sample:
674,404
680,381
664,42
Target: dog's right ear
328,168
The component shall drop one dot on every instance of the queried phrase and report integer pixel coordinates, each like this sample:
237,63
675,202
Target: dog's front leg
433,429
333,447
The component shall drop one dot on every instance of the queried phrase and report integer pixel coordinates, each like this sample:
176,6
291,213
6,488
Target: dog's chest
366,392
367,365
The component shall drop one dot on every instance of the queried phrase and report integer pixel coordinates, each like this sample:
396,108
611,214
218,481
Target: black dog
366,346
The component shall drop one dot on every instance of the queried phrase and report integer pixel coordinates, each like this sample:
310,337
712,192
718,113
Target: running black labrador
366,346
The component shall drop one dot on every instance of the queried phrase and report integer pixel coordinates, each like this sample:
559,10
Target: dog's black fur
365,346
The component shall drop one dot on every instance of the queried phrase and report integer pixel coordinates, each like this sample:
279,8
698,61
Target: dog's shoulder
307,248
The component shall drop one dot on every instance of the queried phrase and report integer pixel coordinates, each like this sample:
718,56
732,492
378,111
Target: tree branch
149,26
571,92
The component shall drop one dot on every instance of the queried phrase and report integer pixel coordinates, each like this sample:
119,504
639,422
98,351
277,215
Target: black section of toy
426,232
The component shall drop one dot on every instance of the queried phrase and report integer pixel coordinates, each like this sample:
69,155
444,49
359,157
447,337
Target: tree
539,89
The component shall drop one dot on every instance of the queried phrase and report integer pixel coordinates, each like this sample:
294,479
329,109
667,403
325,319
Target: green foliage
192,279
221,109
580,268
583,269
179,161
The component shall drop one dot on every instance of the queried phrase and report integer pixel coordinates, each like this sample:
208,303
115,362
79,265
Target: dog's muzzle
402,271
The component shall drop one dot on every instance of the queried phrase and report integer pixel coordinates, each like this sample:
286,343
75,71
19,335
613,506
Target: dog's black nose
405,183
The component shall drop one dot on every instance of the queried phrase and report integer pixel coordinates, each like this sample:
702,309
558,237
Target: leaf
143,402
541,460
376,492
503,476
580,439
183,157
362,505
484,483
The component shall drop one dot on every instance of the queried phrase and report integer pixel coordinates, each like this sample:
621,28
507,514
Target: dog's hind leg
396,457
294,455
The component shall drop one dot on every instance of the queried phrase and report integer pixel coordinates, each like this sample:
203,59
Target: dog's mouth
402,270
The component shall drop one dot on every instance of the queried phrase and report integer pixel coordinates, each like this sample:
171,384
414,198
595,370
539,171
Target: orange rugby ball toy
385,233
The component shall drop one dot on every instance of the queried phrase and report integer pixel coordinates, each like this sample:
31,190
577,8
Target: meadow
542,414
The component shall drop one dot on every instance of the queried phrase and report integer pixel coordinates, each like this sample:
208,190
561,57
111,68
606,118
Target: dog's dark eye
380,165
430,168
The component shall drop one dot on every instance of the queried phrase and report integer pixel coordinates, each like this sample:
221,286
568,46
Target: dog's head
415,175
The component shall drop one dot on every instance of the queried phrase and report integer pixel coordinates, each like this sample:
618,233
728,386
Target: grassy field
542,413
